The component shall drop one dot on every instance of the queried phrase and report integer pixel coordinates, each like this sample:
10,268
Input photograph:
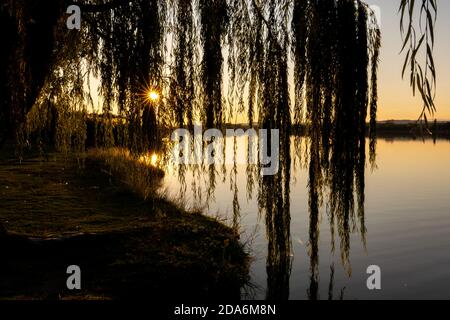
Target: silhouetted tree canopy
182,48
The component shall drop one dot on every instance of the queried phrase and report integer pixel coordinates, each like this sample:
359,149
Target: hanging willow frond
182,90
214,20
300,33
332,75
418,43
374,48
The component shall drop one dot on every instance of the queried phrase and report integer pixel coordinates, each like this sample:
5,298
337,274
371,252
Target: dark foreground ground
65,212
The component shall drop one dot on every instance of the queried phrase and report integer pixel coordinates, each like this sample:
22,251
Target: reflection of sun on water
154,159
149,159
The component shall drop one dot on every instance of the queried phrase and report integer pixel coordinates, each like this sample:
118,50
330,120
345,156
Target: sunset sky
395,95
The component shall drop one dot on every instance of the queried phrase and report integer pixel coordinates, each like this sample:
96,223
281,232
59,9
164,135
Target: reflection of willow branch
331,284
251,169
346,176
276,204
224,164
234,187
315,188
182,180
195,184
360,187
278,233
298,160
212,171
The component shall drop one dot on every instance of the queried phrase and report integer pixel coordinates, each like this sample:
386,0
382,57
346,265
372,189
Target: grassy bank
81,211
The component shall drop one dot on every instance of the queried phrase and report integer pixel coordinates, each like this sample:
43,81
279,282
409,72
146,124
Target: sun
153,95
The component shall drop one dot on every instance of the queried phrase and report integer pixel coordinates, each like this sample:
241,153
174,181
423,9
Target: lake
406,218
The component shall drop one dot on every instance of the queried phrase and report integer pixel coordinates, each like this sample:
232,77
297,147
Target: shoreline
58,214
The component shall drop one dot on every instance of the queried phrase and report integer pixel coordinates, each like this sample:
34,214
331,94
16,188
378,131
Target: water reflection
274,203
336,173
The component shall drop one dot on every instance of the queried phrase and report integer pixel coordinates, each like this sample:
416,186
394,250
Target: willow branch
269,28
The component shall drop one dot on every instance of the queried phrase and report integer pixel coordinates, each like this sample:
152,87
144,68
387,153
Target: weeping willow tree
121,47
180,48
191,53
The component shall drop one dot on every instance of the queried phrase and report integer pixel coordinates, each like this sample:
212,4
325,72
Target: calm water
407,217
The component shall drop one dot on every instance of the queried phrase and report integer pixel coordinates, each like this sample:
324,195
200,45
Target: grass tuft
136,172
